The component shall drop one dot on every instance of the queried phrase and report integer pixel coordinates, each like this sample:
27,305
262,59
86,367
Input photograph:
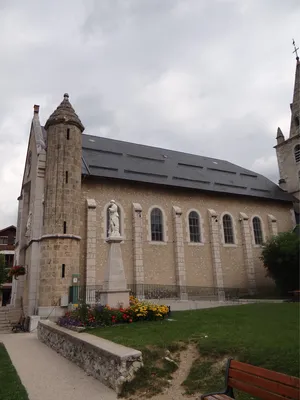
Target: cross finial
296,50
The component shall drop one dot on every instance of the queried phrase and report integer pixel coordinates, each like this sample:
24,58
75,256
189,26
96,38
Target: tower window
65,227
297,121
68,134
67,177
297,153
63,270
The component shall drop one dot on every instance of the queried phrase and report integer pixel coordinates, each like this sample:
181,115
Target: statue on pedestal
114,223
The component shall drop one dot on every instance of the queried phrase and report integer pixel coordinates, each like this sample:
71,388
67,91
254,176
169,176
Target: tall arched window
297,153
107,220
156,225
228,229
194,227
257,230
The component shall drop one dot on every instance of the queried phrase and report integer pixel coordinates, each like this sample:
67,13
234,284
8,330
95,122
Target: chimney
36,109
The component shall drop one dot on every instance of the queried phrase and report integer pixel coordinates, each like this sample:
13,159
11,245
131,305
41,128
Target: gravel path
46,375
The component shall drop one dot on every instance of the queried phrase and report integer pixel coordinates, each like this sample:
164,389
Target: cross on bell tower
295,50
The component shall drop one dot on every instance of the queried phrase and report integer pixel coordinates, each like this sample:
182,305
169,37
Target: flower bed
86,316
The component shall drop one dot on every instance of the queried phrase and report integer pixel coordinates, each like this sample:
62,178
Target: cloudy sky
212,77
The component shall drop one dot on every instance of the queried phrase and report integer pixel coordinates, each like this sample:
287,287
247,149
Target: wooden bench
259,382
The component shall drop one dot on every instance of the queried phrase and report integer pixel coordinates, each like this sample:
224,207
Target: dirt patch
176,391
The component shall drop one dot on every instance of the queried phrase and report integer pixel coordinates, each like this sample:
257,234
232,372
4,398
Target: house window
156,225
108,219
228,229
3,240
194,227
258,236
297,153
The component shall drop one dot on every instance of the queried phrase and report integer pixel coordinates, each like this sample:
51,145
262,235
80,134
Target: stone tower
288,150
60,246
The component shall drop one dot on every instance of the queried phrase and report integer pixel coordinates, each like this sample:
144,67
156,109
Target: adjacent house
7,248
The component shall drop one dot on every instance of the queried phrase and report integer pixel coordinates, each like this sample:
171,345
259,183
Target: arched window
257,230
194,227
107,220
228,229
156,225
297,153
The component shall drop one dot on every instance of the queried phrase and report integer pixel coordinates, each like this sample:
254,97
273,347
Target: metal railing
92,294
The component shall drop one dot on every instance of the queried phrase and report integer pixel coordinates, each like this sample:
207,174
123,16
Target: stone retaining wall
106,361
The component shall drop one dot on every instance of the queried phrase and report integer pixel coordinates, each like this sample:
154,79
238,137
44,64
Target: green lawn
11,387
265,335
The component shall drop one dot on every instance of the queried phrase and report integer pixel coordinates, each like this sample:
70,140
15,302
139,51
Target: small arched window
257,230
194,227
108,219
297,153
156,225
228,229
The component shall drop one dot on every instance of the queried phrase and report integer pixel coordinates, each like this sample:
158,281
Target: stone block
115,298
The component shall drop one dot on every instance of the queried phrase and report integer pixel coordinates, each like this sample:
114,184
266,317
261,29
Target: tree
280,256
3,270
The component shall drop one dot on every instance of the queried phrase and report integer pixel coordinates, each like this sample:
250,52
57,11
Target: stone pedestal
115,293
34,321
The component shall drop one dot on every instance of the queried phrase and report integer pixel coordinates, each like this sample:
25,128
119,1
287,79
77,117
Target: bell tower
60,245
288,150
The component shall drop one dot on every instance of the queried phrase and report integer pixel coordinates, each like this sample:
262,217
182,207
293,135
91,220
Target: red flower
130,320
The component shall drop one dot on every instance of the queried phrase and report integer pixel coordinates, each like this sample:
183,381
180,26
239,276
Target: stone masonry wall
110,363
203,262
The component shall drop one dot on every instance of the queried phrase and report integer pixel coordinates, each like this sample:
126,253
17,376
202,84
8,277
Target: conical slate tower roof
64,114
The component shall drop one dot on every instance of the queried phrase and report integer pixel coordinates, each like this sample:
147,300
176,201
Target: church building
187,222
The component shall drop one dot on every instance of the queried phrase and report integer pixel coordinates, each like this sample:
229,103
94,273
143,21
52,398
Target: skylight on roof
91,140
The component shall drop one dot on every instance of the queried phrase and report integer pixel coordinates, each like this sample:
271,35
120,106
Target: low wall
106,361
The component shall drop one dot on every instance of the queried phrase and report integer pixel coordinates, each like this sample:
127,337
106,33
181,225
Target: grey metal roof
116,159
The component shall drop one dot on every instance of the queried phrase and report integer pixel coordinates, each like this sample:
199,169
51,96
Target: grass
265,335
11,387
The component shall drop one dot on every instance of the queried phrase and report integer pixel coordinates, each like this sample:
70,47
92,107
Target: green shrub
280,256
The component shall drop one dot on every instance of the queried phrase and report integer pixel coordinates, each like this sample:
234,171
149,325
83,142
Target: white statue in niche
28,225
114,223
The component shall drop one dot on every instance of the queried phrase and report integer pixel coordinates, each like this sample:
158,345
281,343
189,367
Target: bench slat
255,391
210,398
218,397
265,373
264,383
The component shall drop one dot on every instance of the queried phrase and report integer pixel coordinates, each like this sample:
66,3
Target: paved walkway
46,375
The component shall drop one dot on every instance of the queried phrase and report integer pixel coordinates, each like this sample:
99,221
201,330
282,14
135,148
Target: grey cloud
209,77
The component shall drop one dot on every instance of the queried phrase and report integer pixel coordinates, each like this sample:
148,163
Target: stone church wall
161,262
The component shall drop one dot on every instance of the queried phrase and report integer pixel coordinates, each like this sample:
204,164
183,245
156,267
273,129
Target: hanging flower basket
16,271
